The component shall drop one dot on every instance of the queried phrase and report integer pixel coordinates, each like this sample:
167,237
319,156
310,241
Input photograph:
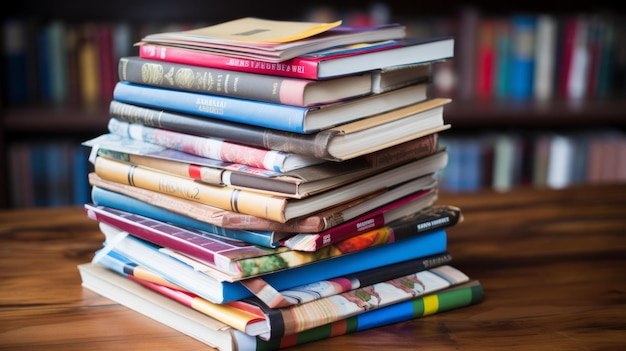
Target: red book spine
296,68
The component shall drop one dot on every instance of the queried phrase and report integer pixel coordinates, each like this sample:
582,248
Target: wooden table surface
553,266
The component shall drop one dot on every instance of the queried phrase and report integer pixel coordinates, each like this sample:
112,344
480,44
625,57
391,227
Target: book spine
210,249
284,117
357,301
113,200
202,146
295,68
206,80
522,57
463,295
256,204
315,145
205,174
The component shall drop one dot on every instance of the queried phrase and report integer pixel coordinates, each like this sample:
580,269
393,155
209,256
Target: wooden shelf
554,114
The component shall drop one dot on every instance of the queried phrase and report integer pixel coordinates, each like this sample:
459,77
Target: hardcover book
326,64
220,38
237,259
214,286
225,338
276,208
155,204
339,143
243,85
270,115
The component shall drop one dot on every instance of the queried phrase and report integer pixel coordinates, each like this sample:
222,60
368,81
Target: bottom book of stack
223,336
429,291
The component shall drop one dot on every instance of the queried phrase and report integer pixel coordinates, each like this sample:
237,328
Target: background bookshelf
506,128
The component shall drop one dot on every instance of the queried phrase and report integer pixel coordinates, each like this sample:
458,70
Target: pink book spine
371,220
200,146
295,68
134,224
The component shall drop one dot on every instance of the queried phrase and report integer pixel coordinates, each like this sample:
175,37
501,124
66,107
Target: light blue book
270,115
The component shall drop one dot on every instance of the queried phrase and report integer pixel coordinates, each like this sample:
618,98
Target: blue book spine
122,202
419,246
522,63
263,114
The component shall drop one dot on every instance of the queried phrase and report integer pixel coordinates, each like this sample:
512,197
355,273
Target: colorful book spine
522,57
212,147
371,220
117,201
463,295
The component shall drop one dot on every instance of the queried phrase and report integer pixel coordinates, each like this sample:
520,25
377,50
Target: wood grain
553,266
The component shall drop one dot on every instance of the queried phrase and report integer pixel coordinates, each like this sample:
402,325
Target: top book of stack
334,51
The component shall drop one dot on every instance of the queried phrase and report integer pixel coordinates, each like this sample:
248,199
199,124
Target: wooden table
553,266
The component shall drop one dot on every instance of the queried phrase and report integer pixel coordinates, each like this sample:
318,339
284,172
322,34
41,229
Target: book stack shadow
279,193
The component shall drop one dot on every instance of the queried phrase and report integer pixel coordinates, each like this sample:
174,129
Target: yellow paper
250,29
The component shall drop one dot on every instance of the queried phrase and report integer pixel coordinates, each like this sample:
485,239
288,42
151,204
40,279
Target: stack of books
265,192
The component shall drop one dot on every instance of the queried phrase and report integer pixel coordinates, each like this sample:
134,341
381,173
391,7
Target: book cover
200,38
217,334
283,117
213,148
213,285
335,144
280,209
238,259
130,198
320,65
243,85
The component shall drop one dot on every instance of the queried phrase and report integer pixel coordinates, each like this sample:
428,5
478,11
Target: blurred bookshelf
567,107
